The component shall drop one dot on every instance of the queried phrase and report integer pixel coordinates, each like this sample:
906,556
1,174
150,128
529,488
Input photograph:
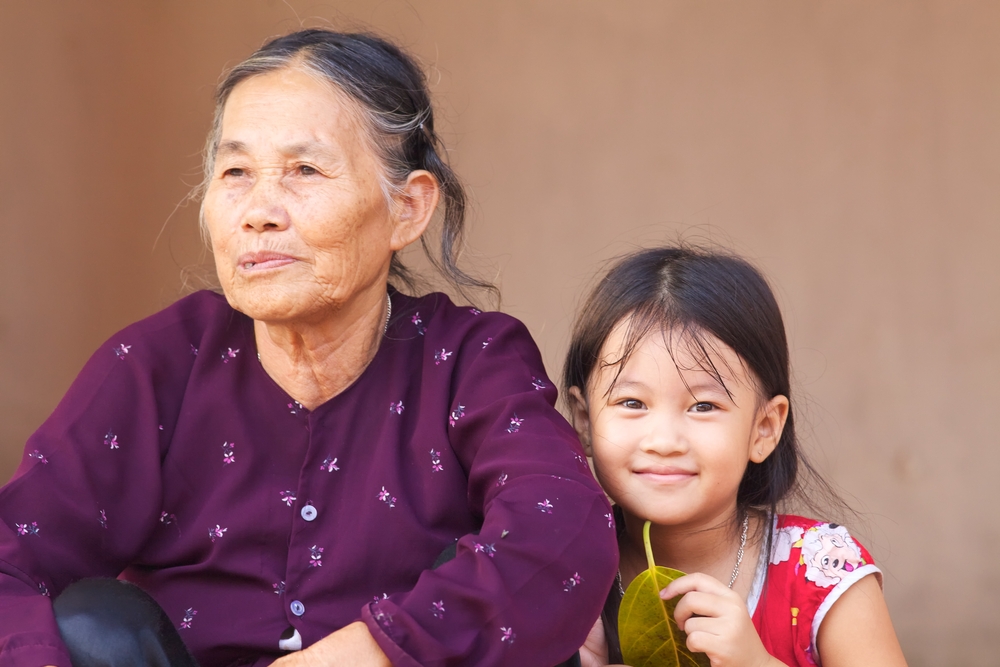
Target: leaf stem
649,547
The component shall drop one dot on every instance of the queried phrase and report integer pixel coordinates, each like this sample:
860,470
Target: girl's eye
703,407
632,404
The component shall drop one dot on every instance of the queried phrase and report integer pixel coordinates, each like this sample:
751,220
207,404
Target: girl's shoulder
811,564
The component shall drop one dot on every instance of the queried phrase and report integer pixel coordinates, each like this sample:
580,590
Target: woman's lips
263,260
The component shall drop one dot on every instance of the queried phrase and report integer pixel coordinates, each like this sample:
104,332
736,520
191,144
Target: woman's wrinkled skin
302,231
303,235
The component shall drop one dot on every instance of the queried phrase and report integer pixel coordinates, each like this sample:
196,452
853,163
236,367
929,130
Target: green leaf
647,631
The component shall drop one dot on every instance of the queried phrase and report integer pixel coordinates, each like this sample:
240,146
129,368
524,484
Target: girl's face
669,443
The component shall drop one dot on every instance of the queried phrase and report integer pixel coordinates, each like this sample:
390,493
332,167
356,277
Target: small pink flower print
111,440
475,311
545,506
229,354
437,609
579,459
507,635
279,588
27,528
194,351
287,498
189,615
381,617
515,424
329,464
315,556
502,479
611,519
396,408
122,350
456,414
38,455
217,532
418,323
161,427
167,519
504,533
103,520
43,590
572,582
441,356
385,596
537,384
387,498
436,461
295,407
227,453
487,342
488,549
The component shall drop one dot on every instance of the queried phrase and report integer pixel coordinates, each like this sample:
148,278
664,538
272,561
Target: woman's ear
415,208
579,416
770,424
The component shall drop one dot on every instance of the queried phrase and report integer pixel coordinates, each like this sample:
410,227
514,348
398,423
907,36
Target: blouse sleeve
83,499
527,588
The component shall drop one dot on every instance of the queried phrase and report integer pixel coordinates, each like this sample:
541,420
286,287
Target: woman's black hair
691,294
391,93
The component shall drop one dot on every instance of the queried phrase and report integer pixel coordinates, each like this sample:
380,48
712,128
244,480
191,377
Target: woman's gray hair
391,95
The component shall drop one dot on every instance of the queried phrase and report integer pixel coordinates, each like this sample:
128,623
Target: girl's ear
767,432
579,416
417,203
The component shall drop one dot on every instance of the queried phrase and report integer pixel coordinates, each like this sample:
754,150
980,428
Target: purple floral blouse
175,462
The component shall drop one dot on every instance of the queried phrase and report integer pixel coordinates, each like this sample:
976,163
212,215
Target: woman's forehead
290,107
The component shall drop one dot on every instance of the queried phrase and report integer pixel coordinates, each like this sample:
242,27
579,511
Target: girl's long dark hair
694,296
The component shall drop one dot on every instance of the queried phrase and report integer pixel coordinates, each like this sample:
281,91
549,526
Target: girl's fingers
697,603
693,582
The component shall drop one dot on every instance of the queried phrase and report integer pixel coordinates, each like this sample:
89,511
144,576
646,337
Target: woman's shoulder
436,317
184,327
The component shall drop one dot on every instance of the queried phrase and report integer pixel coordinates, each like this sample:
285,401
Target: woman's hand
351,645
716,622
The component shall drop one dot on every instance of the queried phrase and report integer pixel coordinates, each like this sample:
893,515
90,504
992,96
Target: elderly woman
280,467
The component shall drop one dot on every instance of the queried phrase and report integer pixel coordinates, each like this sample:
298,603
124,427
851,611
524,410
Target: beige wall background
849,147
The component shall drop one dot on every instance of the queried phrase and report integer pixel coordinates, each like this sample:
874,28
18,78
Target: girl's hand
716,622
594,652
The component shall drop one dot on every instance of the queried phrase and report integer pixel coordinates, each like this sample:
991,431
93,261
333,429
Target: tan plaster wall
850,148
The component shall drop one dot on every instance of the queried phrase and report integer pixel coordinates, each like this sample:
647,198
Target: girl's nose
665,437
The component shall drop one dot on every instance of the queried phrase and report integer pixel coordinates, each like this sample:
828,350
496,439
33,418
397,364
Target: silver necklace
736,568
388,314
739,554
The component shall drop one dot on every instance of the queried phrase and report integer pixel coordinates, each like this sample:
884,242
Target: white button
297,608
308,512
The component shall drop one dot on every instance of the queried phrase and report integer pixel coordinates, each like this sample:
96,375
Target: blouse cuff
834,595
34,650
397,656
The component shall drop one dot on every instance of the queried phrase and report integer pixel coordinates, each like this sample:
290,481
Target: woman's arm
858,631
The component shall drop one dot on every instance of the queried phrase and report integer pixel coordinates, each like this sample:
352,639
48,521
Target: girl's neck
710,549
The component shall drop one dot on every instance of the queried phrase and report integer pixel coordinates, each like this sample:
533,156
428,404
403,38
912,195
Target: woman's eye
703,407
233,171
307,170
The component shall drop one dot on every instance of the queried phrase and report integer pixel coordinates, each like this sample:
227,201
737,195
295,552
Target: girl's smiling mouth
665,474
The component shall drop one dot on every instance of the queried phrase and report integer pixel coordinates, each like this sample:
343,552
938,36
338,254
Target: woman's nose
266,210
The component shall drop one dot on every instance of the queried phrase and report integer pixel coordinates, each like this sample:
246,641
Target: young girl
678,382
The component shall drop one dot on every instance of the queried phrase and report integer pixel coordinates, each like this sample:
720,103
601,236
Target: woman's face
298,221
